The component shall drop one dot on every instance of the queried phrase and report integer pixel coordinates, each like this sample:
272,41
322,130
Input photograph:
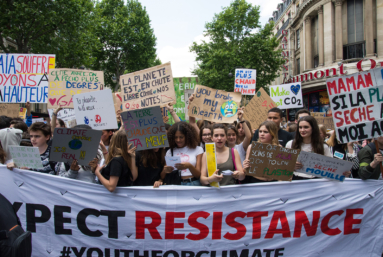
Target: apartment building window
298,39
298,66
316,61
355,21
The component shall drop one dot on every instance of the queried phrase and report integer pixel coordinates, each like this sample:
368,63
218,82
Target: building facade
321,39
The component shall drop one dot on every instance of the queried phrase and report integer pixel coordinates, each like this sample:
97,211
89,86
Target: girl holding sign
229,167
183,142
120,169
308,139
267,134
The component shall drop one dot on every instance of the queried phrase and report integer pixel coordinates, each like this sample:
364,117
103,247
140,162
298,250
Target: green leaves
237,40
127,42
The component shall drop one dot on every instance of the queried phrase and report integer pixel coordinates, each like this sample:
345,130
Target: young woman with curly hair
183,142
120,164
308,139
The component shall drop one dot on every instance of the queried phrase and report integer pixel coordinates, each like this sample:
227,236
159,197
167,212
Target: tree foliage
126,40
236,39
61,27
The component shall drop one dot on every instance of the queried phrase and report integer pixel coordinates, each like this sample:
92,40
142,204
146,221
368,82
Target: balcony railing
355,50
284,26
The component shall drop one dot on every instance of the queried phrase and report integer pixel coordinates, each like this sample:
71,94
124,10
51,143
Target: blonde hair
323,129
273,130
118,147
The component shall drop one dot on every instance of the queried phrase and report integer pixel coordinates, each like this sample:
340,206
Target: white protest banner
356,105
96,109
24,77
245,81
24,156
37,120
287,96
299,218
145,128
215,105
323,166
147,88
67,115
64,83
75,144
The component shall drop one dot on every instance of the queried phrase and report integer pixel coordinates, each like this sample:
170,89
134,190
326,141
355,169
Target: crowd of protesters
117,162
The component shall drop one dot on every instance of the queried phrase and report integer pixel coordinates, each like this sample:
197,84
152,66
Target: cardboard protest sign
24,77
64,83
95,109
287,96
145,128
75,144
245,81
328,122
10,110
356,104
188,93
147,88
211,160
256,110
214,105
22,112
318,114
24,156
67,115
117,100
181,86
272,162
323,166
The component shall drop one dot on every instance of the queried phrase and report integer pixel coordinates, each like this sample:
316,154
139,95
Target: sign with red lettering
24,77
75,144
323,166
272,161
298,218
357,105
245,81
145,128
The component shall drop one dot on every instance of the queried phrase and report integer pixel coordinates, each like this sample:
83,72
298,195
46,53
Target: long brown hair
152,158
118,147
316,140
248,125
3,155
272,127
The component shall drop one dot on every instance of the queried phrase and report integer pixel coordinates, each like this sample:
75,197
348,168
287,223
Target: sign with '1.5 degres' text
148,88
75,144
287,96
64,83
356,105
215,105
145,128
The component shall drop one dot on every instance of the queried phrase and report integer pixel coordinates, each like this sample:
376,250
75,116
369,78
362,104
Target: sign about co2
287,96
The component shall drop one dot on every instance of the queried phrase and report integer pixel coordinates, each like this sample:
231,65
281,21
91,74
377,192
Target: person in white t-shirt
183,142
308,139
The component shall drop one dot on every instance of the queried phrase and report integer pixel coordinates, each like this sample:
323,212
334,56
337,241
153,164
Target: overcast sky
178,23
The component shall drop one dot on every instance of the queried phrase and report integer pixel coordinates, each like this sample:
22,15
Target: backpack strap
233,157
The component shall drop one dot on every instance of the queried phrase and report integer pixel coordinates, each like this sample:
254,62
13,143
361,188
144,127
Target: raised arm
172,112
54,118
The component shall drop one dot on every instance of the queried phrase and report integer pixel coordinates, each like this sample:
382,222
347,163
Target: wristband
242,121
105,153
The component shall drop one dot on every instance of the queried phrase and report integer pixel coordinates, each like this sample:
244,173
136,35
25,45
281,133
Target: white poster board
25,156
67,115
96,109
245,81
287,96
323,166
